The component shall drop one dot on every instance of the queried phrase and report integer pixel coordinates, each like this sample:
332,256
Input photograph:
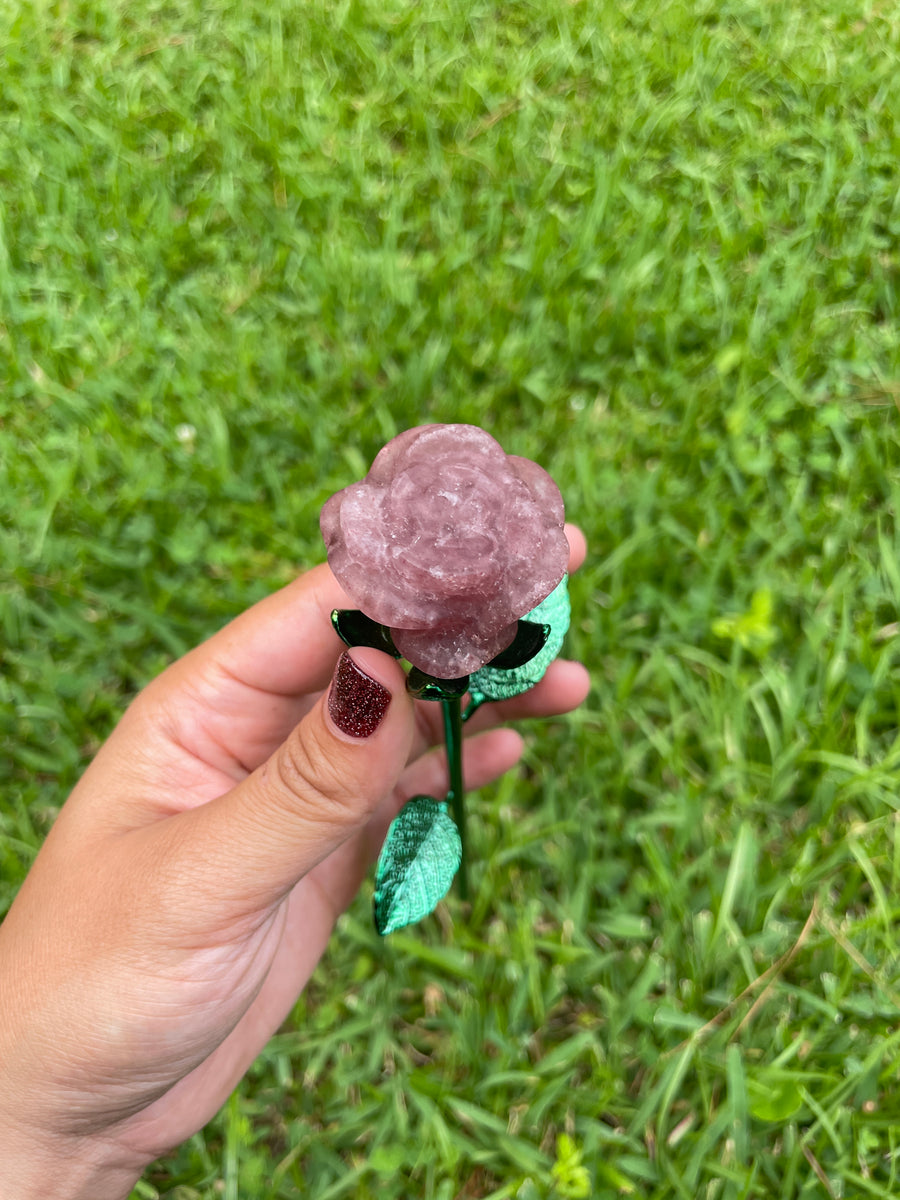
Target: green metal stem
452,710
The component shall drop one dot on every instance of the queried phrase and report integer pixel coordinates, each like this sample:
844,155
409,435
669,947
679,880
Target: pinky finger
485,758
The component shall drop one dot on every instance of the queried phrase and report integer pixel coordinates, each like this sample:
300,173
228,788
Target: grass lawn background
654,246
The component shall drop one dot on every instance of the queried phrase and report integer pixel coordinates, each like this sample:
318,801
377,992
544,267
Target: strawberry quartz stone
448,541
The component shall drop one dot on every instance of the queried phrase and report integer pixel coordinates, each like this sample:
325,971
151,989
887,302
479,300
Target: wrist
34,1168
40,1157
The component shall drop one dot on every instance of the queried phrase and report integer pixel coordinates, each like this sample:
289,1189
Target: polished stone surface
448,540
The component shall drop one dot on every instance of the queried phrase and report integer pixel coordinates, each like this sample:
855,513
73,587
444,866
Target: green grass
654,246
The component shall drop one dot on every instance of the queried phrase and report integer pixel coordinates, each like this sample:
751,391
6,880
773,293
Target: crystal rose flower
448,541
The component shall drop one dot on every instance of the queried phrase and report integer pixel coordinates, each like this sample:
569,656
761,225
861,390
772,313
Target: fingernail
356,702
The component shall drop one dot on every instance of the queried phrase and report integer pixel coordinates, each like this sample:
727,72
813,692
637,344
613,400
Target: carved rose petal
448,540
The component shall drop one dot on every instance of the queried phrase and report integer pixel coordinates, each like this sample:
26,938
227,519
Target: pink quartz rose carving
448,541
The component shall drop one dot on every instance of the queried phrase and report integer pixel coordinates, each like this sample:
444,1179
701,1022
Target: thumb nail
357,702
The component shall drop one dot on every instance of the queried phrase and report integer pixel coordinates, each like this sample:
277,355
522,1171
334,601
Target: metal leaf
420,856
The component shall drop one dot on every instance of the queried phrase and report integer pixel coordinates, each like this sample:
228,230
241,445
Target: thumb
318,788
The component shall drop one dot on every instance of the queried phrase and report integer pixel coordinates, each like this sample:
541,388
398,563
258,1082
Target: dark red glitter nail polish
357,702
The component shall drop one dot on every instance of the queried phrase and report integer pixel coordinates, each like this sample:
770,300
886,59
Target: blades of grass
304,218
737,1103
656,1103
740,878
449,960
234,1137
874,879
474,1115
824,1120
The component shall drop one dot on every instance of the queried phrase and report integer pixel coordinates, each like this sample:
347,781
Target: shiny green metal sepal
354,628
420,856
427,687
494,683
530,639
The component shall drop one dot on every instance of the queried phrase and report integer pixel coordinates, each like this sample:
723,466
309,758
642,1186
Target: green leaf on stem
420,856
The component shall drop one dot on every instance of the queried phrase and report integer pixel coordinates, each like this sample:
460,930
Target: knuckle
310,773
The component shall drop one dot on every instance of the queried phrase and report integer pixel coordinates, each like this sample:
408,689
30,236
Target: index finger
284,645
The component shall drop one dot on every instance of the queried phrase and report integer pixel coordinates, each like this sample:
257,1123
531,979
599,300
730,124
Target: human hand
192,880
